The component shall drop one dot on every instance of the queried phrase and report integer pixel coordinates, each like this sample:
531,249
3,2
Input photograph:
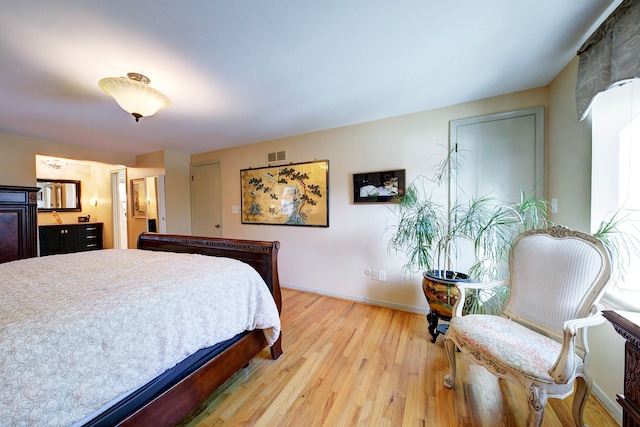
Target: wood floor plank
351,364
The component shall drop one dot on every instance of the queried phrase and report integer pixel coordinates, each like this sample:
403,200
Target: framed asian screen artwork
378,187
294,194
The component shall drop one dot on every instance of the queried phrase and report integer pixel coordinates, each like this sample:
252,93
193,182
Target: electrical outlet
374,275
382,275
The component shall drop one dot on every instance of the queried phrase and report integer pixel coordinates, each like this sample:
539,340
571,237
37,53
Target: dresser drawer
91,236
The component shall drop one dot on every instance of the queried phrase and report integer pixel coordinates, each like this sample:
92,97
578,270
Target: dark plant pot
440,289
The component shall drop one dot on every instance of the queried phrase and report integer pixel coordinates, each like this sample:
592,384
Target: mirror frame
78,207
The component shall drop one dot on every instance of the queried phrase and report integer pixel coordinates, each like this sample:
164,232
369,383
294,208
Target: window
615,179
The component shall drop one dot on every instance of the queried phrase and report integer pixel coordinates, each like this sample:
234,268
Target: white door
500,155
206,194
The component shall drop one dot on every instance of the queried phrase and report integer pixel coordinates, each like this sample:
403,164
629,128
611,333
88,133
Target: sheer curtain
610,56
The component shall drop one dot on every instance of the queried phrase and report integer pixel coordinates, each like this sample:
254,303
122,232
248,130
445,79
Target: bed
194,350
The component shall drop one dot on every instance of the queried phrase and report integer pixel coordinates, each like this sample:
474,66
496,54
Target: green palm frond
429,232
428,229
619,235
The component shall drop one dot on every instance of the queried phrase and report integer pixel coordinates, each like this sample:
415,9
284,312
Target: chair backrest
556,274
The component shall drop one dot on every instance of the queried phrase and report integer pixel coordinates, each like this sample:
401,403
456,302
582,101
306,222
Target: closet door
206,195
500,154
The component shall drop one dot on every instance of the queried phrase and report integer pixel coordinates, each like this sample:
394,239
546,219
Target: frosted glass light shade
135,97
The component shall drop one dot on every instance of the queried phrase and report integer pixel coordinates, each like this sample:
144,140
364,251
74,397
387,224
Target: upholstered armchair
557,277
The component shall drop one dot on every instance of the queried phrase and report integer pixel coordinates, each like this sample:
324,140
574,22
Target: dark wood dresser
67,238
627,324
18,223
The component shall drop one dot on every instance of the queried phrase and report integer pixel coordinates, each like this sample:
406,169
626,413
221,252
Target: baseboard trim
610,405
614,409
370,301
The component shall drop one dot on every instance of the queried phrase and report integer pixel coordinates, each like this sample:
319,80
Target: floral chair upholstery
557,277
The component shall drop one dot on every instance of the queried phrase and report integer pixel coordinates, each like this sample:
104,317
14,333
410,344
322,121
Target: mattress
79,330
125,405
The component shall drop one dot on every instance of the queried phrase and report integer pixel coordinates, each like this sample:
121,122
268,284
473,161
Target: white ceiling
243,71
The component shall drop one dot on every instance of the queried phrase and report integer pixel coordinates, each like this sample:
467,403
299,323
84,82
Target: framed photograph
378,187
138,198
295,194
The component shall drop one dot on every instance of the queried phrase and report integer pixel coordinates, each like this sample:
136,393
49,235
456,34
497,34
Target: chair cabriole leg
582,391
537,398
450,346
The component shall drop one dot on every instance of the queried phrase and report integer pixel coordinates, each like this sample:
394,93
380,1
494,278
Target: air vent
276,156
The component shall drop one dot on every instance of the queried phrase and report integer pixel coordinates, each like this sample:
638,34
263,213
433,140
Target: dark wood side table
627,324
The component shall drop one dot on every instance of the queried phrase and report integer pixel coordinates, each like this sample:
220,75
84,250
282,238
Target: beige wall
175,167
18,167
569,179
333,260
178,192
149,164
18,157
568,153
95,183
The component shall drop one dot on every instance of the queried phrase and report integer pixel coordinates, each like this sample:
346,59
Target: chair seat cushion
506,345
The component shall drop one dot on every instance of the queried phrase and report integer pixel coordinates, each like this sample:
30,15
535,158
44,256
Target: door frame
116,202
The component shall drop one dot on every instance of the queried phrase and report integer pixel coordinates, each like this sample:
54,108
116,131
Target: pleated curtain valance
610,56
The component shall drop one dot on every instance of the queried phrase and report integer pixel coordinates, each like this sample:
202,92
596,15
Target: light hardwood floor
350,364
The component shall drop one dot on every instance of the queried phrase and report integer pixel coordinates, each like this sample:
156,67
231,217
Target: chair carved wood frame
539,341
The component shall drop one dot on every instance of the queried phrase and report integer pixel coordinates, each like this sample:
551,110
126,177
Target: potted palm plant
431,231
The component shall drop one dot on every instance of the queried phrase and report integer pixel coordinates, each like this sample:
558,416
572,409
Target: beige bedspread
78,330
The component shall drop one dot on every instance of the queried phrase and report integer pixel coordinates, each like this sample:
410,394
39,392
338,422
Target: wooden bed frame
174,404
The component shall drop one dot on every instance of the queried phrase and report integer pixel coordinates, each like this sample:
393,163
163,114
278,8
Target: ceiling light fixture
134,94
54,163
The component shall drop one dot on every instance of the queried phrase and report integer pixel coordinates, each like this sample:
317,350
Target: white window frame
615,175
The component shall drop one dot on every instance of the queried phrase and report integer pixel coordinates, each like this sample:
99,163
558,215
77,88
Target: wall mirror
61,195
